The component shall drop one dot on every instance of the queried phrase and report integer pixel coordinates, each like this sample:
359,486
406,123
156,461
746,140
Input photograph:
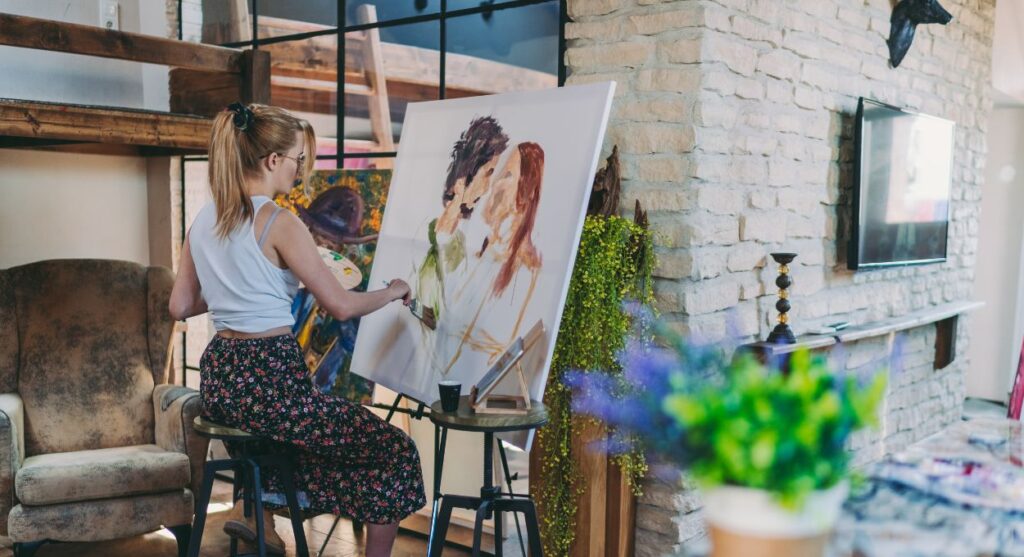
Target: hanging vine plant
613,265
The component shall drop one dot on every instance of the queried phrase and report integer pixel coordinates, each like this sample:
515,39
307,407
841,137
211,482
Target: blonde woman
242,261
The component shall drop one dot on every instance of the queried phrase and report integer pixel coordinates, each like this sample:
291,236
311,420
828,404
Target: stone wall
735,121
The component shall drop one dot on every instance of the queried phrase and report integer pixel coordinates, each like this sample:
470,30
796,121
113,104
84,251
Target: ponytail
240,137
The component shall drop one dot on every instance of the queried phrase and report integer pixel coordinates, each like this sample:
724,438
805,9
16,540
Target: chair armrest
175,407
12,451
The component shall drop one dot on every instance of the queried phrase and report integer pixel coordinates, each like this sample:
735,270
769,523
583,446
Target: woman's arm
186,296
295,245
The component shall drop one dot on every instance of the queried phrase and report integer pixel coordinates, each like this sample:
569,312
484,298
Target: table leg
438,533
440,440
478,526
508,481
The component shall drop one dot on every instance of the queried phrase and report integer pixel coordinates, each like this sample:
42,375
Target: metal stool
256,454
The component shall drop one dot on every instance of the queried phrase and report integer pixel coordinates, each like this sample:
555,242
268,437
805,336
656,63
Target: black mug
450,391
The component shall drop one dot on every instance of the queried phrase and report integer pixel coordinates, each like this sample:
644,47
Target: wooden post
621,526
373,66
207,93
591,514
226,21
255,83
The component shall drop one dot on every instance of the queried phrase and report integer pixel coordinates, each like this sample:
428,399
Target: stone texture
736,121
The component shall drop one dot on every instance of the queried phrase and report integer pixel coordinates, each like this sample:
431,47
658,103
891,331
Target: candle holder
782,334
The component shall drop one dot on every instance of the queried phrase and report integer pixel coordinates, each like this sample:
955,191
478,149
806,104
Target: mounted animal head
905,19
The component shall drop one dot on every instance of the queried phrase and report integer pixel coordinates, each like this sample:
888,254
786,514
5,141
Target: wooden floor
344,542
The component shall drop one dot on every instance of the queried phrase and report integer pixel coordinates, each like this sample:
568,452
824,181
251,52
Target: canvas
484,216
343,210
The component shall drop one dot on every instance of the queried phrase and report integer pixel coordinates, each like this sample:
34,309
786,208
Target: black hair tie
243,117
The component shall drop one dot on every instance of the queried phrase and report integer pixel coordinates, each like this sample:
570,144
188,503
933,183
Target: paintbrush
424,313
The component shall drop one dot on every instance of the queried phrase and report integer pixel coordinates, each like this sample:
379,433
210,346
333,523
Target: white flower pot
751,523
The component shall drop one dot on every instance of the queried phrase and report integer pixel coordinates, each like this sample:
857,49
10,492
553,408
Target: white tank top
243,290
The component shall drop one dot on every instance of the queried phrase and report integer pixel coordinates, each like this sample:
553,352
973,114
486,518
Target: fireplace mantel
945,315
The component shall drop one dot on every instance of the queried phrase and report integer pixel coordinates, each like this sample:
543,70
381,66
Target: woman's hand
400,290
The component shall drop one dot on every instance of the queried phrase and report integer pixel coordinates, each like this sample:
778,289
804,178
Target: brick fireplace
734,120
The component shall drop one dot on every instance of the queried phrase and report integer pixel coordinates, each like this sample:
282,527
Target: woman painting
242,261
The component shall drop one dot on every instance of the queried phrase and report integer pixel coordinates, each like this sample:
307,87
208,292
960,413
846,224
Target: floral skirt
350,462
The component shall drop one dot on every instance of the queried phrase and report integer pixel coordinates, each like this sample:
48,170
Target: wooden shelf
944,315
770,350
241,74
82,128
914,319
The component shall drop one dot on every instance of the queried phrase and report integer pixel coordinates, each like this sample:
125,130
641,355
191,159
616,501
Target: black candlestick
782,334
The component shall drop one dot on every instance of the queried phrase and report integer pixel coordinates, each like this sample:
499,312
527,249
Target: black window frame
442,16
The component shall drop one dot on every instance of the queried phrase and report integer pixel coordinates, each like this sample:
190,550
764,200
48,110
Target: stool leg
478,526
183,535
444,516
257,501
286,470
199,522
234,547
327,539
27,549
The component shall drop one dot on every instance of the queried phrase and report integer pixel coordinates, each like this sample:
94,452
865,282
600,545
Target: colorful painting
487,205
343,210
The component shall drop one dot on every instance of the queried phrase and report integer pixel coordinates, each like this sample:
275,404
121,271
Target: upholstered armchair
94,445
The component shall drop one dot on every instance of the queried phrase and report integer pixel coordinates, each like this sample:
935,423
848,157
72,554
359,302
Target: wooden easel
482,398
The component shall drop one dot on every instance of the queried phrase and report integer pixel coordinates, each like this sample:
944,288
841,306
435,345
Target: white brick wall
735,122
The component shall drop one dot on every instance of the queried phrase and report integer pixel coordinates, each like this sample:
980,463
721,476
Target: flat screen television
903,176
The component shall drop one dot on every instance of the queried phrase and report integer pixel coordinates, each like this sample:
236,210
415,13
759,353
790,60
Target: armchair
94,444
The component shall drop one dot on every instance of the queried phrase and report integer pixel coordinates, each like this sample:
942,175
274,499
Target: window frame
442,16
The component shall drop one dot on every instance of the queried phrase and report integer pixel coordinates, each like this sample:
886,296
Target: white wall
58,205
996,328
1008,49
58,77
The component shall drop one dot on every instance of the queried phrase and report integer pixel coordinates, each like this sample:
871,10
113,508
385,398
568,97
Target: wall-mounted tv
903,177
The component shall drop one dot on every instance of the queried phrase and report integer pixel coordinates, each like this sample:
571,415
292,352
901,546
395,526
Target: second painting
343,210
484,215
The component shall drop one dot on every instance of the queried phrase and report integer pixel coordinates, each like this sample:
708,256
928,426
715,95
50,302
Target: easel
482,398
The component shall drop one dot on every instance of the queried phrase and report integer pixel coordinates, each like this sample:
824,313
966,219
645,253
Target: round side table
491,499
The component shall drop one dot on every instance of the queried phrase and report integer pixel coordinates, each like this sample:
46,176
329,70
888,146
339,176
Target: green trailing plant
614,264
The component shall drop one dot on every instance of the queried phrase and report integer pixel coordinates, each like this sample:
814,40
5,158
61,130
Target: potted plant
767,448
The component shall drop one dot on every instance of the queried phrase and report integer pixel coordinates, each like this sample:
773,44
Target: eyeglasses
300,160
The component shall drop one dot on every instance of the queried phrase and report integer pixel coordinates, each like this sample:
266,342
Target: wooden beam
255,84
373,66
73,38
87,124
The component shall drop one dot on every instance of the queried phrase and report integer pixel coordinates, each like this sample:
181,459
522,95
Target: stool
491,499
257,454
